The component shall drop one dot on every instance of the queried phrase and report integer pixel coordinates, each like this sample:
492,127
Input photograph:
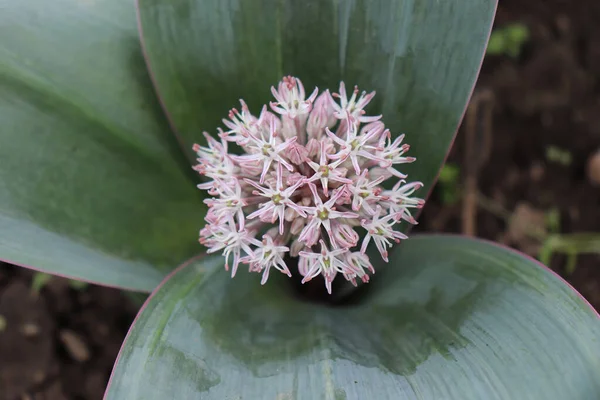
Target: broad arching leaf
421,56
451,318
92,186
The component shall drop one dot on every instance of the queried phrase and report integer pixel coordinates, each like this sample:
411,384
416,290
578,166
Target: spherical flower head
309,184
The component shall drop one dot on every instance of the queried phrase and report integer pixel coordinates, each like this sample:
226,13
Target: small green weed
508,40
449,185
41,279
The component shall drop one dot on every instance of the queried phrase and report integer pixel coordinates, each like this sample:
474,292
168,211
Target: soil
523,108
62,342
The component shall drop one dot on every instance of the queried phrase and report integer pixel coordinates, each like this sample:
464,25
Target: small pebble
30,330
75,345
536,171
38,377
103,329
563,24
593,168
574,213
525,222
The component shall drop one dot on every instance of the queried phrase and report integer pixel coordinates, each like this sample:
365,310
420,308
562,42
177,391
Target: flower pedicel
308,182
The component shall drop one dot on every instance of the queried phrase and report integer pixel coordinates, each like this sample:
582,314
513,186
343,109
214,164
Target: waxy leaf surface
92,185
421,56
449,318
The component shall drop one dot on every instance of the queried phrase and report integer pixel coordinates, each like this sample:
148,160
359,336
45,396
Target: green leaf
92,185
451,318
422,58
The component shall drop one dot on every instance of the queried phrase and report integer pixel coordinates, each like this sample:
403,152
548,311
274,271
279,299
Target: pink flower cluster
309,182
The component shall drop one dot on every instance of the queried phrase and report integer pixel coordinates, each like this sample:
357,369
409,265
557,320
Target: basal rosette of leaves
97,184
